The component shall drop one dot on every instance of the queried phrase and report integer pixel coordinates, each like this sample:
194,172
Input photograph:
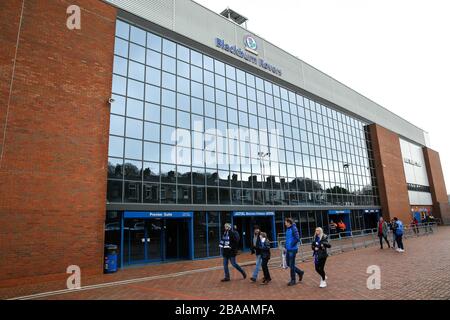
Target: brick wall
390,173
437,185
54,166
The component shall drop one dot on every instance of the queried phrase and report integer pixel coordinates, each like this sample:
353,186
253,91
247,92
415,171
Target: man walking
399,234
229,246
292,239
256,249
382,232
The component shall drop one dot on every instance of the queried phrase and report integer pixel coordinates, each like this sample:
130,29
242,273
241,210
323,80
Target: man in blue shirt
291,247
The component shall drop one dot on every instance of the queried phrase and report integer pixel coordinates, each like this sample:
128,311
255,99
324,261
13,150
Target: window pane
115,147
119,85
152,94
183,120
168,64
183,53
120,66
137,53
118,106
169,48
153,42
137,71
151,131
168,98
152,112
134,129
138,36
151,151
153,76
132,170
154,59
121,47
117,125
135,108
168,81
135,89
122,29
168,116
133,149
182,69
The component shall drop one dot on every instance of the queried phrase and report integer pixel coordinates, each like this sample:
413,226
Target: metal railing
352,240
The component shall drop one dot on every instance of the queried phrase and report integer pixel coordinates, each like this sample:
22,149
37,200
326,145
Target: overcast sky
396,53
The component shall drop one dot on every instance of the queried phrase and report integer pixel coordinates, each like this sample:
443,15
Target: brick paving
422,272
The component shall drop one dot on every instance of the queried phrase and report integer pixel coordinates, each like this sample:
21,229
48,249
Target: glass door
154,245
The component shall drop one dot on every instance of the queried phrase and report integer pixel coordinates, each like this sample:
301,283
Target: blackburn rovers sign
249,54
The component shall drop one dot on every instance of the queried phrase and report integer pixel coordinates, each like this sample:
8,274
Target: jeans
394,239
320,267
381,240
265,268
290,257
233,263
400,242
257,267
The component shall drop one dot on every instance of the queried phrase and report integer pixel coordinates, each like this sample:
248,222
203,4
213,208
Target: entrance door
176,235
155,240
245,227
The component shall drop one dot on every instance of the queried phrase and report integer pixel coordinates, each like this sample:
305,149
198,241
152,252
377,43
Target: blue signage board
339,211
253,214
151,214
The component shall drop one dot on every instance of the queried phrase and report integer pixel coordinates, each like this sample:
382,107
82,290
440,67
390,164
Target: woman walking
264,246
319,247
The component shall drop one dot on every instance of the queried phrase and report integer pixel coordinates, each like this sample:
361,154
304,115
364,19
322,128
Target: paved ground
422,272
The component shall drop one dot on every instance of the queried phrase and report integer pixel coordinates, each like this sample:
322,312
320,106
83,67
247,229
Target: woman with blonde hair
319,247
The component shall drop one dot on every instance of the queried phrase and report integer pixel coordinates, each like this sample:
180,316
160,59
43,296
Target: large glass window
164,90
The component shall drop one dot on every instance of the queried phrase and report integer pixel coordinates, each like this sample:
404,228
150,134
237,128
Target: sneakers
225,279
244,275
252,279
265,282
323,284
401,250
291,283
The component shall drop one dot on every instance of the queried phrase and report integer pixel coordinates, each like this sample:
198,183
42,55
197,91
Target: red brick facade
54,165
437,185
390,173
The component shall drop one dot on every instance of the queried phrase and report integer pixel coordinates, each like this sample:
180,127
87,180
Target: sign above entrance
150,215
253,214
371,211
338,211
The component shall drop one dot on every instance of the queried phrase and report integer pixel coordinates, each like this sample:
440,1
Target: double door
155,240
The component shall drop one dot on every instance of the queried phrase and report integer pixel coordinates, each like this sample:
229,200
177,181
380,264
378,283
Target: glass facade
187,128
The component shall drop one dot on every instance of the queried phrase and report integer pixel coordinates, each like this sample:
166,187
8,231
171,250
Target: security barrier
352,240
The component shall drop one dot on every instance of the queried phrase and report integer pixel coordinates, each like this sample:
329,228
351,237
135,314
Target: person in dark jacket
320,254
256,250
393,226
264,247
229,246
382,232
291,248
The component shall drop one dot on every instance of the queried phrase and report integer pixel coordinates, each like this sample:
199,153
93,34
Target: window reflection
319,156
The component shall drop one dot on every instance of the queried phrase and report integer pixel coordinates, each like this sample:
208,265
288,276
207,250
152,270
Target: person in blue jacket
399,234
292,240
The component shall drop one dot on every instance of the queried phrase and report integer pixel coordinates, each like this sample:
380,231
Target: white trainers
323,284
401,250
